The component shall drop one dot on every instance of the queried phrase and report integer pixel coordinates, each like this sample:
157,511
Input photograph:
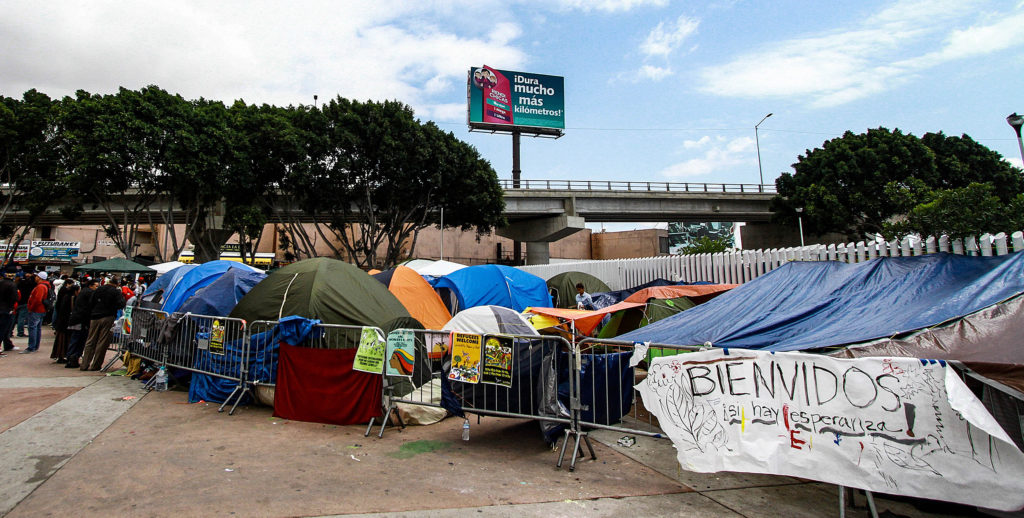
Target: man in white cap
36,312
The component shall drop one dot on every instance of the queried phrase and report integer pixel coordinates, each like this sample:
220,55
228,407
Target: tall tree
29,165
857,183
111,144
267,147
380,176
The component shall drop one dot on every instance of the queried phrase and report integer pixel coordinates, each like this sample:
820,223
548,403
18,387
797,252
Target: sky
655,90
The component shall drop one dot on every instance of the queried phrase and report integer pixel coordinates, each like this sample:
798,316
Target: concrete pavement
76,444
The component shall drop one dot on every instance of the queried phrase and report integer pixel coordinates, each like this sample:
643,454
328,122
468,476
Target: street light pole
757,142
800,221
1016,121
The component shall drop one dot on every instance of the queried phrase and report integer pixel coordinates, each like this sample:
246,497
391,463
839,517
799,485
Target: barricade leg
241,390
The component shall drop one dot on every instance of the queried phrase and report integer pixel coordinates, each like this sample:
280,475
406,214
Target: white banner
893,425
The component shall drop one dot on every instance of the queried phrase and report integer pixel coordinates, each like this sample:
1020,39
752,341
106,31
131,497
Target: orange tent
416,295
694,291
585,321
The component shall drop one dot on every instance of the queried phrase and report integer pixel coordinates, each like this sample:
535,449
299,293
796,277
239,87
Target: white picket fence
741,266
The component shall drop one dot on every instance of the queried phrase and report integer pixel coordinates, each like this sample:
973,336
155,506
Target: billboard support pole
517,247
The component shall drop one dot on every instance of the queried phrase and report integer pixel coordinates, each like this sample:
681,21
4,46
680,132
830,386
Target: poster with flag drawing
893,425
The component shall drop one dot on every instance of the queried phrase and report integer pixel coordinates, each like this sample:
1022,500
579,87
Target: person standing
106,302
25,287
78,324
61,316
36,312
8,303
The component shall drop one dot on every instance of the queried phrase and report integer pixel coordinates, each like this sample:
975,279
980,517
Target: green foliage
857,183
369,174
960,212
707,245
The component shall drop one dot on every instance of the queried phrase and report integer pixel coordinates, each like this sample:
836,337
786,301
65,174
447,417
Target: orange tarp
585,321
672,292
418,298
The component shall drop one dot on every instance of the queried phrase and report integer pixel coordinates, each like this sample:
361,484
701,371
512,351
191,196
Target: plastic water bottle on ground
161,380
465,430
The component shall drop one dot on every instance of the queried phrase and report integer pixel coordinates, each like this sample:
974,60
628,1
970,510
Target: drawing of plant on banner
696,420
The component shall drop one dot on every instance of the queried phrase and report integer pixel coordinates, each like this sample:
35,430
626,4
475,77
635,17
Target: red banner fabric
319,386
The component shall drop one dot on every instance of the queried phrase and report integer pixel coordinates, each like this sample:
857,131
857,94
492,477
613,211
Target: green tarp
628,320
563,287
335,292
115,265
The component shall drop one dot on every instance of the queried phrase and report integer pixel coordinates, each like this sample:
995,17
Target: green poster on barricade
217,338
401,353
370,355
497,360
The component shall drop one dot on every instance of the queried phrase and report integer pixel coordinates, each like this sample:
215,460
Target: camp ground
796,373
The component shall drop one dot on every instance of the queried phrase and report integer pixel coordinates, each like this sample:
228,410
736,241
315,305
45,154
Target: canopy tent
808,305
490,319
584,321
699,292
430,268
329,290
494,285
115,265
626,320
163,268
563,287
416,295
223,294
197,278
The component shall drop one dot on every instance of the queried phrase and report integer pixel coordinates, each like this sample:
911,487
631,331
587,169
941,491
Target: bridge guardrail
613,185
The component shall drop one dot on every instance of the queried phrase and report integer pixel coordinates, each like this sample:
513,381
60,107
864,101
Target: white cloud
609,5
653,72
663,39
718,154
260,51
855,62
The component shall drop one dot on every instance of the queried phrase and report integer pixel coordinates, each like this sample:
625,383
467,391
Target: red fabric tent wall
319,386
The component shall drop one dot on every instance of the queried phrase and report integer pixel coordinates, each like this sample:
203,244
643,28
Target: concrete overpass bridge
543,211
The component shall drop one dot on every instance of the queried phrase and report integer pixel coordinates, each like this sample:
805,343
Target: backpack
49,300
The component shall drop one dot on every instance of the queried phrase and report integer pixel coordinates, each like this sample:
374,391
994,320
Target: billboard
44,251
504,100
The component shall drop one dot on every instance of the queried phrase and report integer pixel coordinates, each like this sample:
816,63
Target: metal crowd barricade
540,364
210,345
604,381
262,362
142,337
1005,403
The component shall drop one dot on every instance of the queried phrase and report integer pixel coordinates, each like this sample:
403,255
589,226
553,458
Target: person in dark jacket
78,324
8,302
25,287
106,302
61,317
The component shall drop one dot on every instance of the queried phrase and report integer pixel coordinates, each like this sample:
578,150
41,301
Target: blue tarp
221,296
496,285
262,368
167,281
807,305
193,280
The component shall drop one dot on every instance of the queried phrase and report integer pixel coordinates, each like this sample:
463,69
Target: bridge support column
539,233
538,252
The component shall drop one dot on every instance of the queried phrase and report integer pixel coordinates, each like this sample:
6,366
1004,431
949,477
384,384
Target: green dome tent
627,320
330,290
563,287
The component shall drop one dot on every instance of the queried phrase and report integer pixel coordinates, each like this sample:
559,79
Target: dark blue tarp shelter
808,305
495,285
223,294
195,279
